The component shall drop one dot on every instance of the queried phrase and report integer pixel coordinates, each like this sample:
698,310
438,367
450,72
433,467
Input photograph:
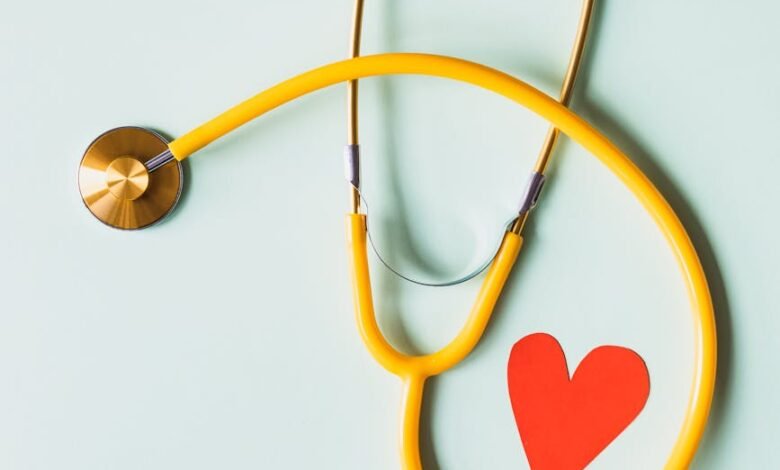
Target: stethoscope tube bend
415,370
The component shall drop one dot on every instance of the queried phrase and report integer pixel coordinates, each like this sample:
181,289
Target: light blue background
246,356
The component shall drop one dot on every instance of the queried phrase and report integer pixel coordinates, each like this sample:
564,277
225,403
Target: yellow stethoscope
118,179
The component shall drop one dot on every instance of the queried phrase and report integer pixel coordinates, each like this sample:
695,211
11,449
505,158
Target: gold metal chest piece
117,188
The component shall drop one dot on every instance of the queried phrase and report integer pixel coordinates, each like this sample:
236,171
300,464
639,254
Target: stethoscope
131,177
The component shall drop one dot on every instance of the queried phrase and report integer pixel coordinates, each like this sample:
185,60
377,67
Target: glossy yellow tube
414,370
438,362
567,122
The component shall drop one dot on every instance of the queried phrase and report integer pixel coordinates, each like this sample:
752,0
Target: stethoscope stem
411,411
159,161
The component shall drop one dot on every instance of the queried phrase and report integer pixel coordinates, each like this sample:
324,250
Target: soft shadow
628,140
389,121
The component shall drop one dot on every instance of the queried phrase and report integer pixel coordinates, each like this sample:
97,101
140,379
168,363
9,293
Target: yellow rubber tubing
705,343
414,370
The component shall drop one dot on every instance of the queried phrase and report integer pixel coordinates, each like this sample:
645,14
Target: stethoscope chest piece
116,185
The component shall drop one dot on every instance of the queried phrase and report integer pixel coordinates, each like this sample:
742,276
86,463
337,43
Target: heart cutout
564,423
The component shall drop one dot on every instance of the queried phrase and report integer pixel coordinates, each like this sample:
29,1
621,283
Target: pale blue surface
250,358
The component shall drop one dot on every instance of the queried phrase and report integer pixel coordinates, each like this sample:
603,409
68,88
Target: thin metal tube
352,90
568,83
352,95
159,161
575,59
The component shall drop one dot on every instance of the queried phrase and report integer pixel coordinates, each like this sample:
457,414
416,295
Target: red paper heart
565,423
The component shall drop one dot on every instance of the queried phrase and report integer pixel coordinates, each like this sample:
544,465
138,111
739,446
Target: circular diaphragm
116,186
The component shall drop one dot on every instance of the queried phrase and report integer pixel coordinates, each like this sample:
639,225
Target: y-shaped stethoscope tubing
414,370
